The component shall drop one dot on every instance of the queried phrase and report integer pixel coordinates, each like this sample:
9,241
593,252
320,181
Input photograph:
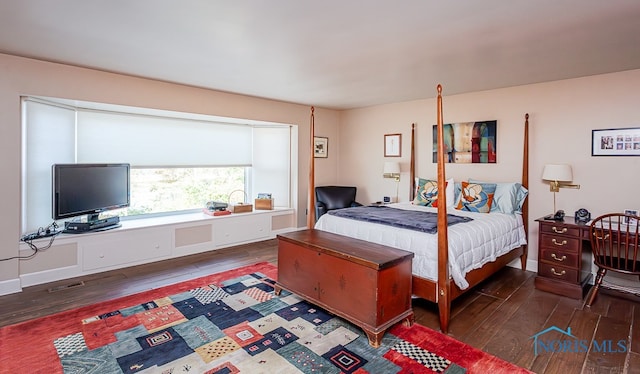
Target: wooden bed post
444,281
311,197
412,173
525,183
443,290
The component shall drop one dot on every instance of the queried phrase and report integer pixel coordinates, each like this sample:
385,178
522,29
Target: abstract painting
468,142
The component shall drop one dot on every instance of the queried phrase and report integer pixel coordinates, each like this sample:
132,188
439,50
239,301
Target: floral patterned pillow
427,192
476,197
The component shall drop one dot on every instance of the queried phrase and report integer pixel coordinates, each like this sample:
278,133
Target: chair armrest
321,208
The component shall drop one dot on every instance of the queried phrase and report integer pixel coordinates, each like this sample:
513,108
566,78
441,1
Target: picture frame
616,142
320,147
630,221
392,145
475,142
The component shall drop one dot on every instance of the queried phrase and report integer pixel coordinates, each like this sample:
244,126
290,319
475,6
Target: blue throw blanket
401,218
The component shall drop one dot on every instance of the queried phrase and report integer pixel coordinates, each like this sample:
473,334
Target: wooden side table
564,257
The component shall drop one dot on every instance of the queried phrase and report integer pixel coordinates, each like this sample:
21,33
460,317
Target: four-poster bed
451,276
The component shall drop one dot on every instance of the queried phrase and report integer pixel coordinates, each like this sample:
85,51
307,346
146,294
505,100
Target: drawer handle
564,242
605,237
558,259
553,270
564,229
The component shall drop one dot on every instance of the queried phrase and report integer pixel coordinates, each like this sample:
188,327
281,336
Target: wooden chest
365,283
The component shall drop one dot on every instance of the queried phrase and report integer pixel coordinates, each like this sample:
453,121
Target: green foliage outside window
160,190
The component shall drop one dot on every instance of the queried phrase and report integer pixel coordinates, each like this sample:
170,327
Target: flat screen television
90,189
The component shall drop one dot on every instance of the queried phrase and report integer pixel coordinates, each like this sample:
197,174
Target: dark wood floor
500,316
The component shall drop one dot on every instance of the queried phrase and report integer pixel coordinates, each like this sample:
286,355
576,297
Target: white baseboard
532,265
10,286
47,276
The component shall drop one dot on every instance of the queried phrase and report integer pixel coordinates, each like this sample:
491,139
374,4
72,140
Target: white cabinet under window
239,229
143,241
114,249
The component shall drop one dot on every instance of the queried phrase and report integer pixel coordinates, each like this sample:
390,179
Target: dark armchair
334,197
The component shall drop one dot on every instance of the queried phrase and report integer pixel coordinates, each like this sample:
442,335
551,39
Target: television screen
80,189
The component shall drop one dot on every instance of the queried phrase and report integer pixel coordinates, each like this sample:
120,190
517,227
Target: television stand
91,226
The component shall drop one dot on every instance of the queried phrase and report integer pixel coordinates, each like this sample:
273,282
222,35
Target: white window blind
145,140
48,138
271,163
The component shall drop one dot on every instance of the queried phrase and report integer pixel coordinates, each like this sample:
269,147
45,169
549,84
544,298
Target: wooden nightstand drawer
559,229
558,272
563,243
560,257
563,257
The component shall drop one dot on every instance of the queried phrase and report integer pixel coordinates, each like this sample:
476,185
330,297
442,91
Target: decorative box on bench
241,208
264,204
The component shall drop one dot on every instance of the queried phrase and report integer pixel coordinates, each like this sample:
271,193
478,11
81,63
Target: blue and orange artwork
468,142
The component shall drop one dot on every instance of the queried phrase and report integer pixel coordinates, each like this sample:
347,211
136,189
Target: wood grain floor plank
559,318
633,363
609,347
621,309
505,282
482,307
519,328
583,324
483,332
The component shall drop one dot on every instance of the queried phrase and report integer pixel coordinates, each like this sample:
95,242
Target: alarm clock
582,215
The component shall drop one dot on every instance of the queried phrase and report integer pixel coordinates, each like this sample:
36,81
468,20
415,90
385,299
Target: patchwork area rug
226,323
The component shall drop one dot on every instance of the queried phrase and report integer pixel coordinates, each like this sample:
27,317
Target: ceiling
336,54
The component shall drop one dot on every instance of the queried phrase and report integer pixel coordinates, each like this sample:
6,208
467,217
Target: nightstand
564,257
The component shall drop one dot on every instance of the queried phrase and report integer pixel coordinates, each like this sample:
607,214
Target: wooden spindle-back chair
615,244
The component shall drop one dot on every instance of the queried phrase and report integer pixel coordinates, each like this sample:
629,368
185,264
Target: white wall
21,76
562,115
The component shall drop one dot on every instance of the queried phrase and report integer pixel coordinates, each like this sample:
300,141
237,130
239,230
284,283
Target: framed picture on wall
393,145
320,147
631,212
473,143
615,142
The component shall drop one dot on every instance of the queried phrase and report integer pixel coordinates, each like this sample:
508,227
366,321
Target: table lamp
559,176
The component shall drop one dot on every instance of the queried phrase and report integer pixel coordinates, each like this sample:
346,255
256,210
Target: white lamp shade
557,172
391,167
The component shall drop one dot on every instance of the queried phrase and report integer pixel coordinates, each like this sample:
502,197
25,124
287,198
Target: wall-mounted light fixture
559,176
392,170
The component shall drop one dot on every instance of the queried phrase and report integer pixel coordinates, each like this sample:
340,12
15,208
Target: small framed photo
615,142
631,212
320,147
393,145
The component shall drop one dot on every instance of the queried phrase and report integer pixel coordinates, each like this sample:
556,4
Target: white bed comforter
471,244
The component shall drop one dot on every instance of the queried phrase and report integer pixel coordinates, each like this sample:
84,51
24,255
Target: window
155,191
179,161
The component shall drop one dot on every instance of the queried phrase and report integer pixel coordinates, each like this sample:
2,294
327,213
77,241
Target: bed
457,257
